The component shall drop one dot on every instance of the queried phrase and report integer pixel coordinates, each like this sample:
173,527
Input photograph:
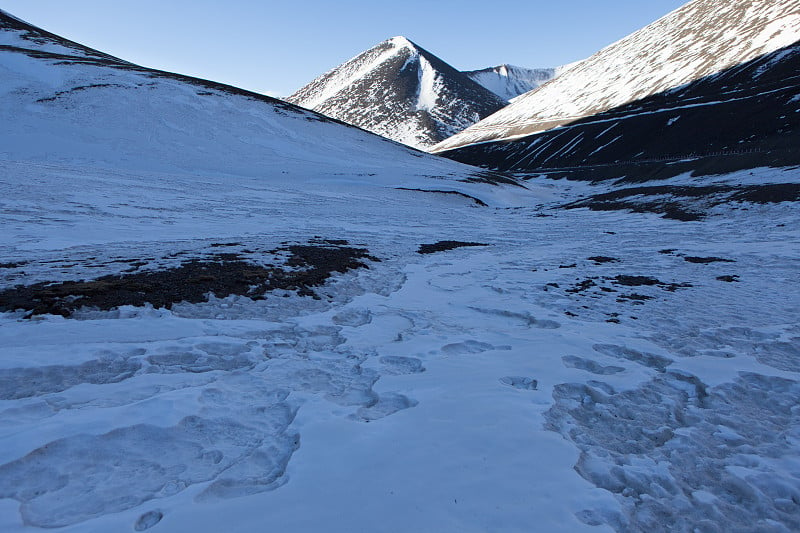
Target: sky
276,47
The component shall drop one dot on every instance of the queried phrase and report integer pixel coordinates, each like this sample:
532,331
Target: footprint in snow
398,365
470,346
573,361
387,404
656,362
148,520
520,382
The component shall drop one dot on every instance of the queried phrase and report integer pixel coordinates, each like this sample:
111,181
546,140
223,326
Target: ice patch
352,317
131,465
656,362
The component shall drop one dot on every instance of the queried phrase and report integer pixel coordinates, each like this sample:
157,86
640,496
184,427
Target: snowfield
583,371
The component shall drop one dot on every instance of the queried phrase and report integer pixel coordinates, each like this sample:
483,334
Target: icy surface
699,39
484,387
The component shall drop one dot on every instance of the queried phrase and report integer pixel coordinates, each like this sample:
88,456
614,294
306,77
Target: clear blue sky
277,46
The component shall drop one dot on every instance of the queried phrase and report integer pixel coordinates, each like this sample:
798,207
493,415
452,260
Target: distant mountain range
509,82
401,91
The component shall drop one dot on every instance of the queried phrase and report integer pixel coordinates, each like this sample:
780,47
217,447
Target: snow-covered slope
63,103
747,116
401,91
696,40
509,81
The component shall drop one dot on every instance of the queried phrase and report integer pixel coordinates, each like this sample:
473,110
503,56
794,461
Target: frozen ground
520,386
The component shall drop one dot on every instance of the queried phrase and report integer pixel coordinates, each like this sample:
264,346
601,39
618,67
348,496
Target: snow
428,93
400,91
485,388
55,113
509,81
350,72
674,50
426,393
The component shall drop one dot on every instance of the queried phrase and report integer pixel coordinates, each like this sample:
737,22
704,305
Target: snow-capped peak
401,91
9,15
401,42
509,81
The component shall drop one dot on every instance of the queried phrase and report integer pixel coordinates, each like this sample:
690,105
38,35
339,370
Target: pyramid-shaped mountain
695,41
401,91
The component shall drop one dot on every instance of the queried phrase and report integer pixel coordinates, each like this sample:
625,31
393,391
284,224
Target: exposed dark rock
582,286
686,203
636,281
307,266
600,259
443,246
706,260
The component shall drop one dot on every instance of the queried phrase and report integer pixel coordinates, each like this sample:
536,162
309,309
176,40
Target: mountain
695,41
743,117
400,91
64,103
509,82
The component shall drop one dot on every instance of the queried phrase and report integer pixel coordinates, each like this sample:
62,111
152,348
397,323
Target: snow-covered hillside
744,117
697,40
509,81
401,91
63,103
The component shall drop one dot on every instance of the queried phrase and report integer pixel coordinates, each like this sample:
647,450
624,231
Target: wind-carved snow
699,39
